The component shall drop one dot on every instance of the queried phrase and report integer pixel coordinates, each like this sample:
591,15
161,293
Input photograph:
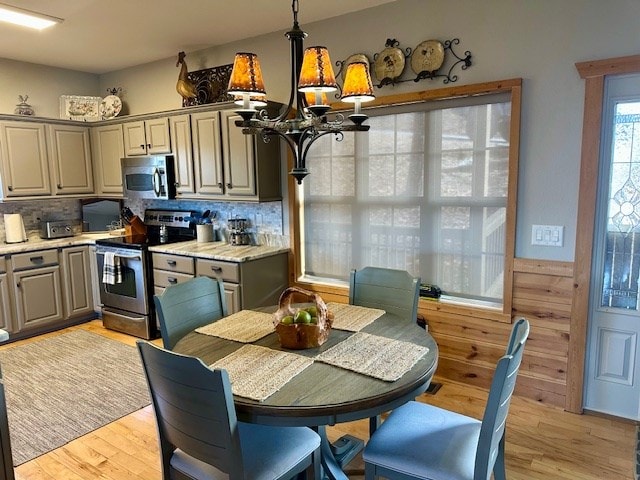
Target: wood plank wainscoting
470,346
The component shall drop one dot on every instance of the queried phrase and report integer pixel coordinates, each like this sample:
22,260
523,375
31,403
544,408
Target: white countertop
210,250
219,250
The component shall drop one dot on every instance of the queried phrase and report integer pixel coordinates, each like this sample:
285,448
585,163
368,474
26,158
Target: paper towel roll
14,228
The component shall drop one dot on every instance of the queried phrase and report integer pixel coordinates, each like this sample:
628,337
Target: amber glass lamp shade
357,88
316,73
246,80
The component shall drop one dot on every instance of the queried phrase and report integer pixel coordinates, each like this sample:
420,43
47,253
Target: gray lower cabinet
5,304
77,285
250,284
37,289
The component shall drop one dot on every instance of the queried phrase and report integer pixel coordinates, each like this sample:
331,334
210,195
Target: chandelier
304,120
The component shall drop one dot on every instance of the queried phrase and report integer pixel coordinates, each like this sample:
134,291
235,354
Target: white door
612,378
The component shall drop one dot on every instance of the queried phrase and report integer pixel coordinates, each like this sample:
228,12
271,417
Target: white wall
43,85
537,40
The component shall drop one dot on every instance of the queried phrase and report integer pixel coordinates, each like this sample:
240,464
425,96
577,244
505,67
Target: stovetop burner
175,223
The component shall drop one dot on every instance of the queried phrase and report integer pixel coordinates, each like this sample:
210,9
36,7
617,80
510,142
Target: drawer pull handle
172,280
217,269
39,258
172,263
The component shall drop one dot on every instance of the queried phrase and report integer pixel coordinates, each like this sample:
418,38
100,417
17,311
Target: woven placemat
378,357
257,372
352,317
245,326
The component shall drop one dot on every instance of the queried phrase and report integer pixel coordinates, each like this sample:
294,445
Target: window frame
335,292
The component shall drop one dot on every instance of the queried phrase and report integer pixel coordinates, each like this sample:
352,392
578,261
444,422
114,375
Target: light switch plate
547,235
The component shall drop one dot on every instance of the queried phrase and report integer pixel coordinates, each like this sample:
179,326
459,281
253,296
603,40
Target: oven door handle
135,256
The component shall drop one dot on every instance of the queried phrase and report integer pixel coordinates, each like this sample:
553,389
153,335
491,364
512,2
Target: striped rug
62,387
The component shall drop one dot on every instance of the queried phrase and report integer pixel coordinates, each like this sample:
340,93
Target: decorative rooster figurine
185,87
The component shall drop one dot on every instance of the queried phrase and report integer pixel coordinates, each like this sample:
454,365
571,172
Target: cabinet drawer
162,278
173,263
228,271
3,265
34,259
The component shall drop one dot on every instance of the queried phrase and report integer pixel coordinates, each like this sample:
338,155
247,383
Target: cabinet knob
172,280
10,188
229,185
220,185
176,184
18,285
148,145
142,146
59,186
171,263
217,269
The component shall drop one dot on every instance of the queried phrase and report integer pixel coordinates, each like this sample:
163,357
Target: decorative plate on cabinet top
388,64
428,56
356,57
110,106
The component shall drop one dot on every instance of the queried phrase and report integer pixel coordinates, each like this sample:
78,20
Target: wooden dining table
324,394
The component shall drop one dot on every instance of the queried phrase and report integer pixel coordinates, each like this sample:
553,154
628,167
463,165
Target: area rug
637,472
62,387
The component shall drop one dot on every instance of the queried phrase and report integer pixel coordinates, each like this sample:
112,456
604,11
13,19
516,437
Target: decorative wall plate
356,57
110,106
428,56
388,65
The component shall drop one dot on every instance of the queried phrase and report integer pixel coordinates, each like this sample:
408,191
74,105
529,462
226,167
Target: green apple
288,320
302,316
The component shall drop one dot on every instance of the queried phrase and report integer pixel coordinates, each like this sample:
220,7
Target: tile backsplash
263,218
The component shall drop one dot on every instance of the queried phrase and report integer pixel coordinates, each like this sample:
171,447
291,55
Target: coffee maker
237,231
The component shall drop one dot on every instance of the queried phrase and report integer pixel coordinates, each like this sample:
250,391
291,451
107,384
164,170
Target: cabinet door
157,135
207,153
70,156
239,158
108,149
25,166
5,306
180,128
135,142
38,297
232,297
77,288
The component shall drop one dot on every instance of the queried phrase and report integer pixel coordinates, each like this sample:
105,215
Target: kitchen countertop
219,250
209,250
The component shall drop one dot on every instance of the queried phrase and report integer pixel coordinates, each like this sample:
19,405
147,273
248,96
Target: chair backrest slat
194,408
185,306
497,408
394,291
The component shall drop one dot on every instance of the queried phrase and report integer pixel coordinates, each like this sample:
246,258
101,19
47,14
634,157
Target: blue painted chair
394,291
200,437
187,305
420,441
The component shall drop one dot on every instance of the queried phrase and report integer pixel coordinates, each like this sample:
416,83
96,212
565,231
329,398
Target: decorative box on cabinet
25,165
147,137
70,159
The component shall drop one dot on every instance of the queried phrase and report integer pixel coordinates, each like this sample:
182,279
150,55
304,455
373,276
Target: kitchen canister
204,233
14,228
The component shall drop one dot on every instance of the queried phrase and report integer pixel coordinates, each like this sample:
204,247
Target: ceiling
99,36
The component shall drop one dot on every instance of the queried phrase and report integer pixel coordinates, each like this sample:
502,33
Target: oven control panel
168,218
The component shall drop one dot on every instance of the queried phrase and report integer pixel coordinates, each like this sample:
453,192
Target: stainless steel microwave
149,177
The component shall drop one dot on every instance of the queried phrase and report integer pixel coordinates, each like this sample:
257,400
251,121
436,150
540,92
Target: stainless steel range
127,297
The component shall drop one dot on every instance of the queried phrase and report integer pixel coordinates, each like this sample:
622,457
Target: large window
425,190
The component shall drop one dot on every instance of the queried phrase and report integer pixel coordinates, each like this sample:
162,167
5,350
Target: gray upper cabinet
180,131
147,137
70,159
108,148
25,165
207,153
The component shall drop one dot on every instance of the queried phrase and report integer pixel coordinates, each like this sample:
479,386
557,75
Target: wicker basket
298,336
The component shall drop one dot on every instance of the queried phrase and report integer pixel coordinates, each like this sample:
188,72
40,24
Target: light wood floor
542,442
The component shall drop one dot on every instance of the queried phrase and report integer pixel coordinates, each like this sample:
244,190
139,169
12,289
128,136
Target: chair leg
374,423
499,472
369,472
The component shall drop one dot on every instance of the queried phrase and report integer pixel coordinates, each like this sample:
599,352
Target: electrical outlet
547,235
